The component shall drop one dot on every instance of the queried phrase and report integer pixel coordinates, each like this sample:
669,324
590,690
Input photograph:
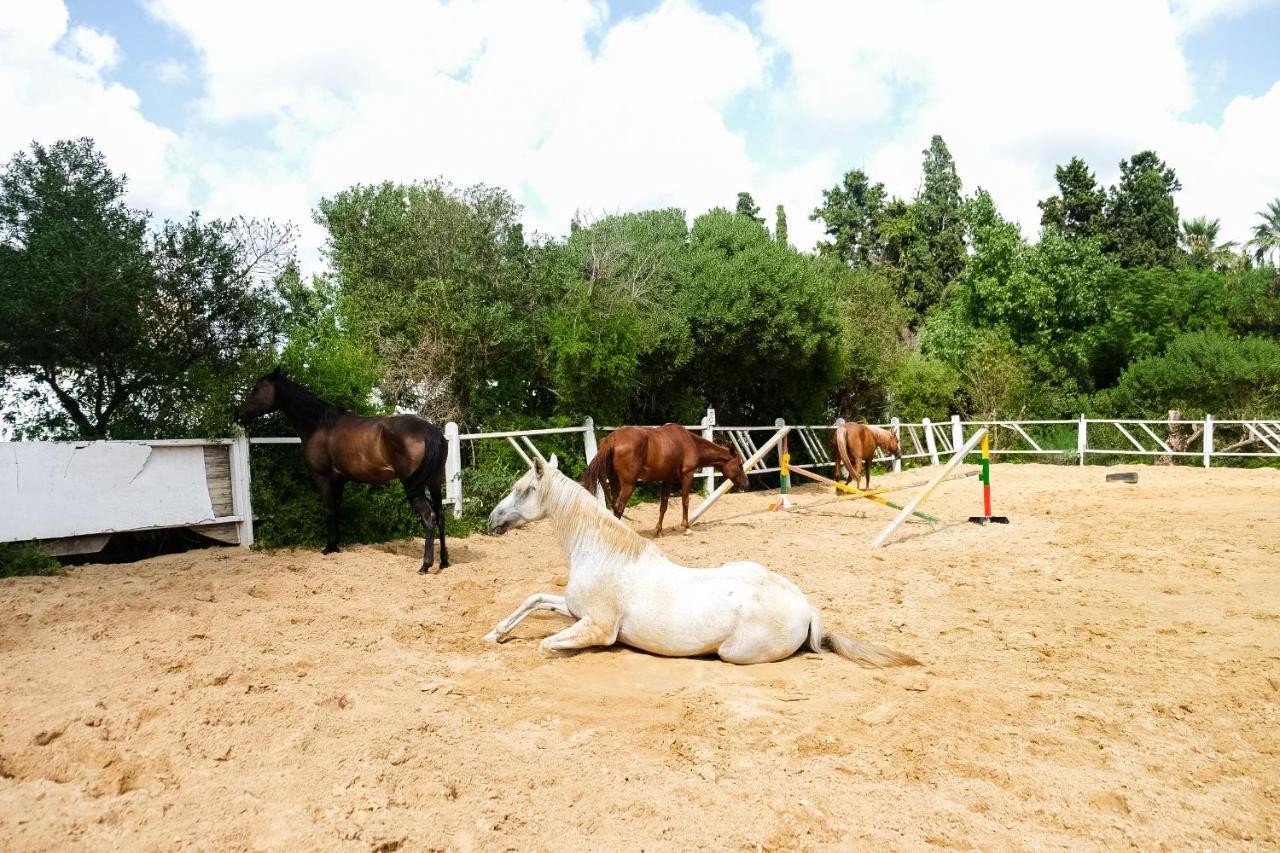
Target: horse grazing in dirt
668,454
340,446
622,588
855,445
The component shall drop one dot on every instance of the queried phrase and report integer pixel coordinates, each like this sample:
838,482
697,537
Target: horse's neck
710,453
303,410
594,542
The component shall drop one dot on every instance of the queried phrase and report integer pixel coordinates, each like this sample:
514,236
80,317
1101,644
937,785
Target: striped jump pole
985,478
784,471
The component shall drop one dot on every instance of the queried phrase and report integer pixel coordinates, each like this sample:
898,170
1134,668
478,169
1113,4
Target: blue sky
578,106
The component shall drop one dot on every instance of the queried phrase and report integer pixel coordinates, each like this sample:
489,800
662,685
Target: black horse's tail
597,473
430,470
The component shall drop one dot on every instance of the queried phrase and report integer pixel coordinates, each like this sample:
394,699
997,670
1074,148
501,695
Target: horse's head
891,445
525,503
260,401
733,470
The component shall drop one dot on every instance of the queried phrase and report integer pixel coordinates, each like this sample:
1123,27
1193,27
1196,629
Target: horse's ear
554,463
539,467
275,374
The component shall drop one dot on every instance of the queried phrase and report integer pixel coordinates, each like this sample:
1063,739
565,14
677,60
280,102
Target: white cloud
171,71
48,93
1016,88
508,94
1193,15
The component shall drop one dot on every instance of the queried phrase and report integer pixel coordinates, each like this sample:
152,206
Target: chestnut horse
668,454
855,444
340,446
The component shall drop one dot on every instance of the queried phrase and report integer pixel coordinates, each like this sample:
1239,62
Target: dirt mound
1104,671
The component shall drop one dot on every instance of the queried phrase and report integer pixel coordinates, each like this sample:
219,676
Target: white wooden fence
74,495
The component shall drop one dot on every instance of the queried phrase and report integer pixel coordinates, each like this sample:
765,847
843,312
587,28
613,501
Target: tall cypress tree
1078,211
747,207
938,212
1142,217
780,225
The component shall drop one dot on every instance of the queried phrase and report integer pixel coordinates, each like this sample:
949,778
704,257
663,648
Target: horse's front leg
537,601
580,635
686,485
331,499
662,507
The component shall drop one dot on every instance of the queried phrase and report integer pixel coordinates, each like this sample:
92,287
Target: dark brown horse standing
340,446
668,454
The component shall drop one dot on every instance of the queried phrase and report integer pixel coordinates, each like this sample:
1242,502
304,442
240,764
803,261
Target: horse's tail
858,651
842,449
431,469
597,473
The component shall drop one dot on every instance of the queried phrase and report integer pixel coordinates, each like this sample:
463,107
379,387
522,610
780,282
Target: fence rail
204,484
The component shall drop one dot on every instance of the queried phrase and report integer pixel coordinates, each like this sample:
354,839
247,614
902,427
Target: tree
112,331
615,334
436,280
852,212
780,225
1142,217
765,332
938,210
747,207
1266,234
1078,211
1199,238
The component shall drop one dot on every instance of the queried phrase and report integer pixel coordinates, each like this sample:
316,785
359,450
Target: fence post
929,440
709,432
957,433
589,451
1208,439
1082,439
453,468
896,426
241,500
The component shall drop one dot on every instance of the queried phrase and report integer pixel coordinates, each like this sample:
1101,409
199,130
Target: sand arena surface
1105,671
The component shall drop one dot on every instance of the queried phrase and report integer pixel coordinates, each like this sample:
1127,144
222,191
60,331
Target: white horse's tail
858,651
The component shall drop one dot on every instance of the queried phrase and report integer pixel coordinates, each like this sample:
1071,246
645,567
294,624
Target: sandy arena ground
1103,672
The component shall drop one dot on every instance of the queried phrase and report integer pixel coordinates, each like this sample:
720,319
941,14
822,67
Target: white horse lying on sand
622,588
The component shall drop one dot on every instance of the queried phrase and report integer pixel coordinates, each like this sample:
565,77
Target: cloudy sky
261,108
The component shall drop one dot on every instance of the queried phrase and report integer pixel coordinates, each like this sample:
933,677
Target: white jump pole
746,466
955,460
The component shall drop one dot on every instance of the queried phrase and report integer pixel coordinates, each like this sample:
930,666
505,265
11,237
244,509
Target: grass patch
27,559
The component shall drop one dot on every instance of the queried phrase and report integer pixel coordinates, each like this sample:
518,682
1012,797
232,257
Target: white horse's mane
576,515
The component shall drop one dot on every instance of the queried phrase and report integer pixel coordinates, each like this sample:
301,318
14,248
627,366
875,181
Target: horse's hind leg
422,506
538,601
624,495
686,485
662,508
437,505
581,635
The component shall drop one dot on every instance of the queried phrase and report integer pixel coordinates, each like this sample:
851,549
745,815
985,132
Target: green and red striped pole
985,478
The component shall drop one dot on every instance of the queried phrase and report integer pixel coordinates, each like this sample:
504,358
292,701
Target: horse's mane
576,512
701,442
300,402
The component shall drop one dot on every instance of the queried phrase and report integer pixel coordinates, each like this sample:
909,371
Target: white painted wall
50,490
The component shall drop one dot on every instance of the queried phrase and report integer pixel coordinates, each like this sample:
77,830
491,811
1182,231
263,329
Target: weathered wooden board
51,490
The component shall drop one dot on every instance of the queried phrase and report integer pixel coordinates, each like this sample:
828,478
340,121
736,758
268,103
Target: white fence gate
74,495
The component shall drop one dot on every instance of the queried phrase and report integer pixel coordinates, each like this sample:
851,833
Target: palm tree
1266,234
1200,239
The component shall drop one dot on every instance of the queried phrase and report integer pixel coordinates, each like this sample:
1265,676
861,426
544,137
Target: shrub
18,559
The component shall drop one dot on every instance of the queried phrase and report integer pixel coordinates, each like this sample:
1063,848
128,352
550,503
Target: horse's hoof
493,637
427,570
330,549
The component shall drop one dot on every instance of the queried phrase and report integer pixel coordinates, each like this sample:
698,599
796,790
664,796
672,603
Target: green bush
924,388
19,559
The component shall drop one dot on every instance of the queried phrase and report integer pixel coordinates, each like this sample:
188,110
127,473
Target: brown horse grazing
340,446
668,454
856,444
